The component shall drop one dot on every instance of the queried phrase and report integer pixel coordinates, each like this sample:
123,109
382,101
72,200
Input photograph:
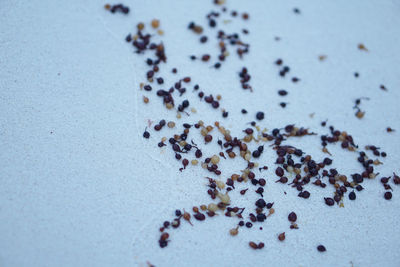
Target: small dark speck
296,10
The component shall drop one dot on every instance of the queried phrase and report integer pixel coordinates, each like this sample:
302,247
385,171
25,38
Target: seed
329,201
242,192
186,216
234,231
249,225
194,162
260,245
208,138
388,195
305,194
175,223
321,248
145,99
282,92
279,171
253,245
281,236
261,203
260,115
155,23
140,26
164,236
215,159
271,211
199,216
224,198
212,207
203,39
352,195
292,217
146,134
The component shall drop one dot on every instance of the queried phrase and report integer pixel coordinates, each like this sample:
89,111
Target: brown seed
107,6
253,245
234,231
155,23
281,236
362,47
186,216
164,236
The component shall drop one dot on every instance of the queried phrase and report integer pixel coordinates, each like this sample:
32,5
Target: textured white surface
81,187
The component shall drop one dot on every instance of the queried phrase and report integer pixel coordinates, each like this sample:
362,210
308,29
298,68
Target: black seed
260,115
292,217
321,248
329,201
352,195
282,92
388,195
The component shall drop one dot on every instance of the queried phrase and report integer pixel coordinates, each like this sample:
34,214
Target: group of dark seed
223,38
117,8
290,161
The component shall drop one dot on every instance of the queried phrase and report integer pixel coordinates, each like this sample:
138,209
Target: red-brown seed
281,236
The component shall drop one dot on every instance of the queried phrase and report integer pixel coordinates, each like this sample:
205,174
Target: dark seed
292,217
260,115
146,134
321,248
388,195
352,195
329,201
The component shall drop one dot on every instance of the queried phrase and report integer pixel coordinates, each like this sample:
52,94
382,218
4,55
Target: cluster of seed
223,38
291,162
117,8
245,78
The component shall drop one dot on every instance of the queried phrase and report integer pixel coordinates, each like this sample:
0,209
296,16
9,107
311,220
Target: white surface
80,186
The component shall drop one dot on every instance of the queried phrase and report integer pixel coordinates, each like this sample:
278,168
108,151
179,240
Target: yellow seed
220,184
164,139
178,115
169,106
155,23
215,159
212,207
234,231
271,211
204,165
195,161
194,110
360,114
160,32
107,6
171,124
219,97
224,198
247,156
140,26
145,99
